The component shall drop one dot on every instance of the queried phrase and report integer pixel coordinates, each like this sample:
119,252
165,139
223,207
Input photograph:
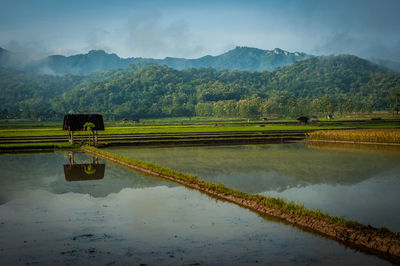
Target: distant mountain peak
97,52
4,51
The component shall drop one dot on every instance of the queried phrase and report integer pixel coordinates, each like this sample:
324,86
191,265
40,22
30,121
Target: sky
194,28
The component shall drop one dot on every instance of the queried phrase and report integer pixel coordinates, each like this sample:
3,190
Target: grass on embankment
358,135
270,202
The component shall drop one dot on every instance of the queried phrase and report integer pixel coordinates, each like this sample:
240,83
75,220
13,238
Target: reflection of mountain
256,182
257,168
38,171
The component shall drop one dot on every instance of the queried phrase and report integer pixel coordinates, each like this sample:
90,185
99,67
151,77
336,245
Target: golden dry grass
358,135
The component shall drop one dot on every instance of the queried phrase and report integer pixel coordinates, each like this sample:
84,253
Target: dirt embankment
384,244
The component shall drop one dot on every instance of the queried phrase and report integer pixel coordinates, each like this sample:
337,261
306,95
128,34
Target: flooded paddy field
353,181
60,208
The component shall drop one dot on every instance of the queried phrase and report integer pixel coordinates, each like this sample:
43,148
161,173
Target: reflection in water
38,171
352,183
259,168
83,172
371,148
156,226
139,219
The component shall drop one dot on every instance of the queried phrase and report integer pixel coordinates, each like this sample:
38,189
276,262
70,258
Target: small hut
303,119
75,122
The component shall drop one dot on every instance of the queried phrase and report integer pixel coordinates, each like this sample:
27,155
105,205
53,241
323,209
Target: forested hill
25,95
240,58
311,86
315,85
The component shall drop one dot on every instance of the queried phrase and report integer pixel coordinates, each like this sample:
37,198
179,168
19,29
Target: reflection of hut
75,122
82,172
303,119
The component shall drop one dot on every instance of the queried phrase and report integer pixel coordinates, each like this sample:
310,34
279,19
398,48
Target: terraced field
221,133
166,138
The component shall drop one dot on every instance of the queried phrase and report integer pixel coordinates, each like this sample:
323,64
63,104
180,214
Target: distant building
303,119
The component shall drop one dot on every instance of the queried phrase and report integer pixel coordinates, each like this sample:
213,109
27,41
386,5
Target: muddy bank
382,243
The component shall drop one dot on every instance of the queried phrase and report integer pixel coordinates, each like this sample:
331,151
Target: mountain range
288,85
240,58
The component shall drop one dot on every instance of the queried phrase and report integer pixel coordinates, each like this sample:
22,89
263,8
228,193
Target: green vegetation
38,132
359,135
314,86
237,125
28,96
270,202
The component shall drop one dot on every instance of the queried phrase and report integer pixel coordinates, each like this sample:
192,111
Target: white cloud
153,35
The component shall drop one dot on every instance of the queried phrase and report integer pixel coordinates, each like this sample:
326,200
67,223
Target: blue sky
190,29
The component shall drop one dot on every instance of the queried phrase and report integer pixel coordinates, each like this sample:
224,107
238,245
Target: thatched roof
303,119
75,122
82,172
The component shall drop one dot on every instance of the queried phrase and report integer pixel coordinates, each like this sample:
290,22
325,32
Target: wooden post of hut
75,122
70,135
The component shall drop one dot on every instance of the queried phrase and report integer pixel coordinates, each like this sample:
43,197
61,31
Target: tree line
334,84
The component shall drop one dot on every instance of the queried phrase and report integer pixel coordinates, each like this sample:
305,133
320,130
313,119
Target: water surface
129,218
357,182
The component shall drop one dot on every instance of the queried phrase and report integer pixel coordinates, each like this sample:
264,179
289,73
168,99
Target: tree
395,95
88,126
326,105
